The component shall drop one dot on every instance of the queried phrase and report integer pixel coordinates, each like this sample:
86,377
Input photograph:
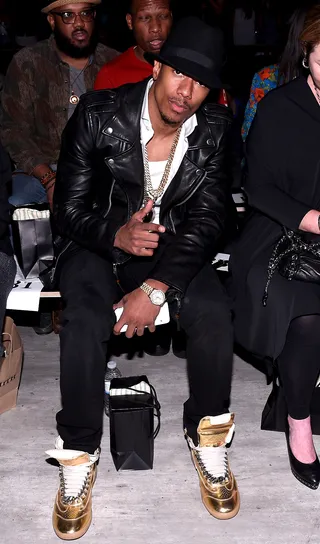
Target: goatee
168,121
75,51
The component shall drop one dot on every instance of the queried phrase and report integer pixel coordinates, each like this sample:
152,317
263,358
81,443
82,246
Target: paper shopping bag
10,366
133,406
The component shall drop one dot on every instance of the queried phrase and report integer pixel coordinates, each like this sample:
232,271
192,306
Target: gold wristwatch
156,296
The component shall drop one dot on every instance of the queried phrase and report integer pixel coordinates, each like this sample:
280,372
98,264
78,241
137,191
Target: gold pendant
74,99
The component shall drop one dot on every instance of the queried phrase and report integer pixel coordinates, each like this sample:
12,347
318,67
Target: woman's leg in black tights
299,367
299,364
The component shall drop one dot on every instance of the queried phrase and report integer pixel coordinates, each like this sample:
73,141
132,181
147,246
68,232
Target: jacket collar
126,126
298,91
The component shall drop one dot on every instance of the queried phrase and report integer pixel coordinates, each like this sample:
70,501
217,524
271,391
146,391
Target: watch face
157,297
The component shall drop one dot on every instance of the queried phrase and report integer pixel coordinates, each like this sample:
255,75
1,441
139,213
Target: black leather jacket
100,183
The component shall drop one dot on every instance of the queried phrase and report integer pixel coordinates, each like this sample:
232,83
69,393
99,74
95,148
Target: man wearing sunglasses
42,88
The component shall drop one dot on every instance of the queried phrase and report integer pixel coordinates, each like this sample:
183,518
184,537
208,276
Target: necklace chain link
149,191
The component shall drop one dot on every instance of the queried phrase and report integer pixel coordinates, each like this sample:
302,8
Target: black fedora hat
195,49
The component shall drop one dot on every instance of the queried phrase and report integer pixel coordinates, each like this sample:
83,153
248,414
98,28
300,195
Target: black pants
89,289
299,364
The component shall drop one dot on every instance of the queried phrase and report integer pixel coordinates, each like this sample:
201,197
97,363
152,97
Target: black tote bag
133,406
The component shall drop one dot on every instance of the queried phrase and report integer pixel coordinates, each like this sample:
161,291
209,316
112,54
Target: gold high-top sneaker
218,486
72,512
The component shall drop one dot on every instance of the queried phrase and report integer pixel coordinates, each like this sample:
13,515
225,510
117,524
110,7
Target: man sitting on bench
141,200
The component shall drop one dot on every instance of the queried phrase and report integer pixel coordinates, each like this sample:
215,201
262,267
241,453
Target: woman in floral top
263,82
277,74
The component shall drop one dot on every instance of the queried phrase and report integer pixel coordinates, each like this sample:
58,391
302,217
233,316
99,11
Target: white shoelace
73,479
214,461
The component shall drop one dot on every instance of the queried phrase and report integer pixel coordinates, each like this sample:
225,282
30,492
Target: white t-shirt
156,173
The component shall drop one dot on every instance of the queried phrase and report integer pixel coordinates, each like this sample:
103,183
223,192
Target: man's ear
156,69
51,21
129,21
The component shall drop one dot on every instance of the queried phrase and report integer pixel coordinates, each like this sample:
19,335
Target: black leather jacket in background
100,183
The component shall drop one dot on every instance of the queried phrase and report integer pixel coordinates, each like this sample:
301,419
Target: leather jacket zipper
115,272
58,258
183,202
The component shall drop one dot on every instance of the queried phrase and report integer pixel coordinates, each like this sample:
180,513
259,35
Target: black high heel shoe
307,473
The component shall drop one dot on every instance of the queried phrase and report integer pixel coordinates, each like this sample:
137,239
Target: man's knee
205,319
19,199
86,318
26,190
208,307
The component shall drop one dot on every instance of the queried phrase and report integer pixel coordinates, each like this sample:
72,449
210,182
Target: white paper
238,198
25,214
222,257
162,318
25,295
139,389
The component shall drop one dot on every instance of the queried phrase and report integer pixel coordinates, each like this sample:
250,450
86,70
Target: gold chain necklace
149,191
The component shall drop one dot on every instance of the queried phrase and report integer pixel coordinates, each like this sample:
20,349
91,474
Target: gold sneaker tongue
213,435
84,458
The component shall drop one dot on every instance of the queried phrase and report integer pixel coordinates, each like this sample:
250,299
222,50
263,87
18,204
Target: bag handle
10,340
156,406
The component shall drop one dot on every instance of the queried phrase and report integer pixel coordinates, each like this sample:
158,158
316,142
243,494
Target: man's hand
139,238
138,313
40,170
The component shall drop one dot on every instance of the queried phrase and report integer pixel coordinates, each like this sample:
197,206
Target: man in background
150,22
41,90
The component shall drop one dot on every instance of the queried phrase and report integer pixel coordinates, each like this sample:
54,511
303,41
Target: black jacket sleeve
73,211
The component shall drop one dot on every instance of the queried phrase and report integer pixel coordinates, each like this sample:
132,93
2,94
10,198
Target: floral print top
264,81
